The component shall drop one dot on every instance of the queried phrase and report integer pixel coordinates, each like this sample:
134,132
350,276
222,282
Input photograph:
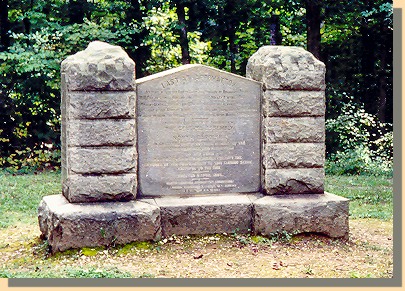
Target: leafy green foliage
165,44
356,46
364,146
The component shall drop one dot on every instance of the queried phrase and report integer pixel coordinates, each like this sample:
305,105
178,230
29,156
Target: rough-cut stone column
99,157
293,123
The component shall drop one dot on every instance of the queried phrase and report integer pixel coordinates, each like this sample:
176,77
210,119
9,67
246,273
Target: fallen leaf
198,256
276,266
283,264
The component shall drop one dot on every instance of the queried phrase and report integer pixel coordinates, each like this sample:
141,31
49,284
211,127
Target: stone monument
191,150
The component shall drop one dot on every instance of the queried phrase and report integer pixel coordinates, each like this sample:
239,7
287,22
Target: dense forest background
353,38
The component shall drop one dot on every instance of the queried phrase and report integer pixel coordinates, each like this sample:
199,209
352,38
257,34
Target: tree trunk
275,34
181,15
313,17
230,32
369,90
4,26
76,11
382,97
141,53
232,47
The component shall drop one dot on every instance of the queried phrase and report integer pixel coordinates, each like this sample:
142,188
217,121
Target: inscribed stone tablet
198,132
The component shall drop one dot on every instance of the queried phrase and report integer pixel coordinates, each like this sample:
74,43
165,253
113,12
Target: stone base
75,225
321,213
206,214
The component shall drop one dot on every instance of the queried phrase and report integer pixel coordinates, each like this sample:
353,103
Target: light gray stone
81,188
100,66
101,132
293,103
205,214
106,160
294,181
74,225
198,132
103,104
294,129
286,68
322,213
294,155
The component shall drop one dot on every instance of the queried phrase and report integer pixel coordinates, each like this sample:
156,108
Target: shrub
42,157
358,143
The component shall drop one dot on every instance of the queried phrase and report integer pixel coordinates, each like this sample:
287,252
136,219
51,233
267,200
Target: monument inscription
198,132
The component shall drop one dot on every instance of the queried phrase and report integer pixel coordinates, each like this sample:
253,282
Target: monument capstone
191,150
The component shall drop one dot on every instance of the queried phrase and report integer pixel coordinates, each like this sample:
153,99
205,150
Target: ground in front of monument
367,254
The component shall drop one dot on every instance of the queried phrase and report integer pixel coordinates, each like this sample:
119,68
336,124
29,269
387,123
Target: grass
370,196
20,195
367,254
68,272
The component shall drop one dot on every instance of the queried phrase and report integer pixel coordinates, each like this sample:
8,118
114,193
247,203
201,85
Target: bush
358,161
358,143
43,157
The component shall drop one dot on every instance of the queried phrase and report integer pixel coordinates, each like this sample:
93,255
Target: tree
76,11
4,26
275,34
139,52
181,15
313,17
354,41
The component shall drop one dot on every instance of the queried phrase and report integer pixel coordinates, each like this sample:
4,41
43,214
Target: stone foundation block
205,214
294,155
102,160
68,225
294,129
96,105
101,132
79,188
294,181
293,103
320,213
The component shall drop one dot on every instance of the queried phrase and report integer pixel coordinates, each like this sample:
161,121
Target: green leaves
363,145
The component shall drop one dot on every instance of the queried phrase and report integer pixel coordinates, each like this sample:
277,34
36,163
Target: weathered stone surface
287,68
106,160
294,129
198,132
101,132
294,155
323,213
294,181
100,66
75,225
98,105
293,103
205,214
101,188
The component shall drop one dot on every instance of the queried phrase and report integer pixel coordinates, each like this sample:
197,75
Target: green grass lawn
371,197
20,195
24,254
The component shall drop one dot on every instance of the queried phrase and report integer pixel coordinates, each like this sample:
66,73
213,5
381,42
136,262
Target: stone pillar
293,119
99,157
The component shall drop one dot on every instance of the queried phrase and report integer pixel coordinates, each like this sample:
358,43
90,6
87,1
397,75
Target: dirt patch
367,253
